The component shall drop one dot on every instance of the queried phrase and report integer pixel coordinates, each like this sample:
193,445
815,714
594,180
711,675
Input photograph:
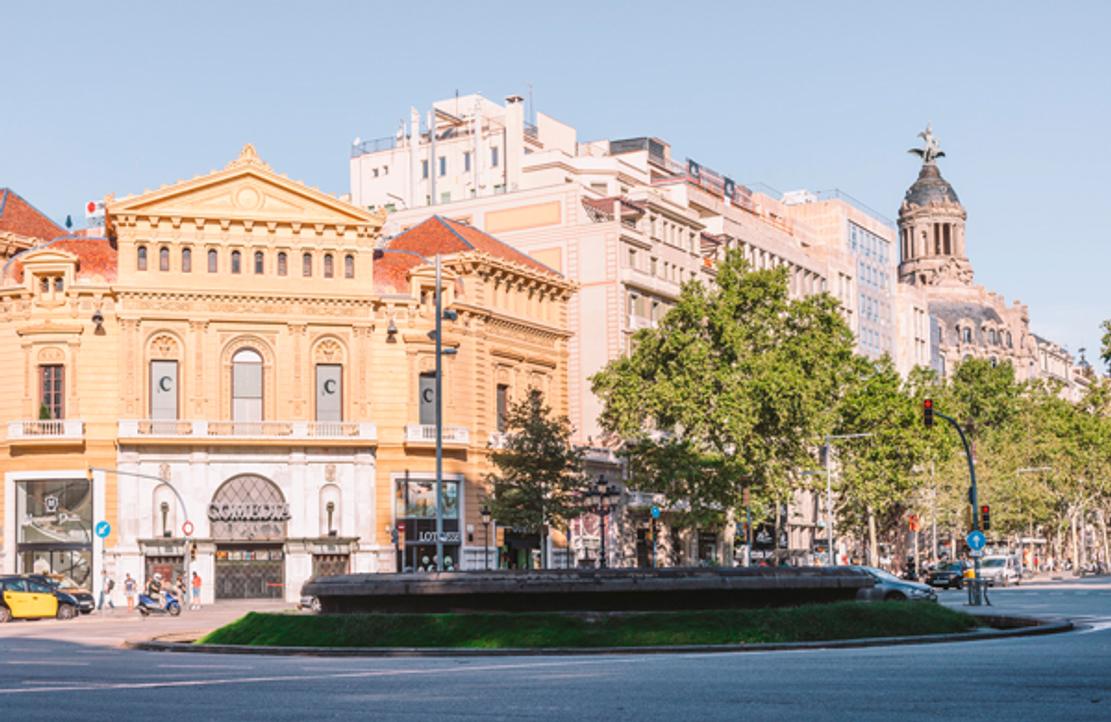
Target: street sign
976,553
976,540
187,528
103,529
655,512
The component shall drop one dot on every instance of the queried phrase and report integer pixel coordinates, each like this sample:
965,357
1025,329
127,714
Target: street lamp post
439,406
829,489
485,512
602,499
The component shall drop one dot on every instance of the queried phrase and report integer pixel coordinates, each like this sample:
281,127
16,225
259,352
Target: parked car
889,587
948,576
310,603
1000,570
23,598
85,602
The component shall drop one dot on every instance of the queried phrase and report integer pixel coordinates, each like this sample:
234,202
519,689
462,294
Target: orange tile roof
443,236
97,258
19,216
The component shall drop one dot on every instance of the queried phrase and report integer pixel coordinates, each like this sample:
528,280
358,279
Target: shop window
283,264
260,262
246,385
186,260
329,392
236,261
141,258
415,505
53,532
329,266
306,265
213,260
348,266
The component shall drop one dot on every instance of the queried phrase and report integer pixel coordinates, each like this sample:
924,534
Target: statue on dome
932,150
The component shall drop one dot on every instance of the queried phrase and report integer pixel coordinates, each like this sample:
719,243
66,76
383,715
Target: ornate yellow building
254,344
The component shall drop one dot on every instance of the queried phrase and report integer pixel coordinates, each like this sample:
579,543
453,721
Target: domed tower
931,225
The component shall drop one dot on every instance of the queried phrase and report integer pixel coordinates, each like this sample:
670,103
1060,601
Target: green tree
878,476
1105,354
539,480
733,389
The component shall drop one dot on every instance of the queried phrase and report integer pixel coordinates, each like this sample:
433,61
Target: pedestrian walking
196,582
129,591
107,584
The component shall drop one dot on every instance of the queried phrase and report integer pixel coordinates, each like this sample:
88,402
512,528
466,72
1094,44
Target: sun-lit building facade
256,346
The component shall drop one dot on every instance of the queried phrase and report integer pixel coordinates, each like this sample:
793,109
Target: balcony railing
46,429
426,434
291,430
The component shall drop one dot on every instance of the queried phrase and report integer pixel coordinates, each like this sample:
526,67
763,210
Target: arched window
186,260
236,260
329,268
163,259
258,262
246,385
966,334
348,266
213,260
141,258
283,266
1009,343
306,265
994,362
992,337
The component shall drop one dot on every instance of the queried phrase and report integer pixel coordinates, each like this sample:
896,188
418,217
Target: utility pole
977,597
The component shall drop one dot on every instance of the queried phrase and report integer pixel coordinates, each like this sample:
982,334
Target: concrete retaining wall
586,590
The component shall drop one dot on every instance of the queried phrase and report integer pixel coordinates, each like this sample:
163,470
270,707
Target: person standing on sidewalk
196,583
107,584
129,592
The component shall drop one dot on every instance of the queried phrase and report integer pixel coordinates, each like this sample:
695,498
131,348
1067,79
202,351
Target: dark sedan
85,602
948,576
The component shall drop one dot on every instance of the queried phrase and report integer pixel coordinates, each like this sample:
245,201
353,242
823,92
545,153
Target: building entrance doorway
248,515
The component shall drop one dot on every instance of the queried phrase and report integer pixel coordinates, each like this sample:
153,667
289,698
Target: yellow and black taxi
85,602
23,598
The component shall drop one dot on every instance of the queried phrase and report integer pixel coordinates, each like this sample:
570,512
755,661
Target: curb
1016,627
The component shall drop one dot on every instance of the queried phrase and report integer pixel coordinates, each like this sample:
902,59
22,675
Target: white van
1000,570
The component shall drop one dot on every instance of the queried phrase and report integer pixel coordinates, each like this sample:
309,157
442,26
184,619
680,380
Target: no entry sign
187,528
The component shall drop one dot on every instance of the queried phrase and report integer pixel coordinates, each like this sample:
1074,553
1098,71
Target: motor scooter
147,605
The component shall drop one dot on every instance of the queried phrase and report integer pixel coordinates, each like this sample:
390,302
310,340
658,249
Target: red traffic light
985,517
928,411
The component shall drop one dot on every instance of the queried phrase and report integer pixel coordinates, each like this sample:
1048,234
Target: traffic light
985,517
193,552
928,412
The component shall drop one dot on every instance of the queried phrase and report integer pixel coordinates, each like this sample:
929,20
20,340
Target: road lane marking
48,663
203,666
53,689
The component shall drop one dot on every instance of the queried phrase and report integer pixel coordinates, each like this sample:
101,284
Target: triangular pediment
247,189
47,256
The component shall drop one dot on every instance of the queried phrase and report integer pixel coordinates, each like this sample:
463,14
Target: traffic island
592,630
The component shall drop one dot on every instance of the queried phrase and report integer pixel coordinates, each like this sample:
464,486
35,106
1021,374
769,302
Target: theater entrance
248,515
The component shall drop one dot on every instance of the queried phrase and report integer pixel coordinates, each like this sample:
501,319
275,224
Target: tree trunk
1103,528
727,536
872,548
1075,543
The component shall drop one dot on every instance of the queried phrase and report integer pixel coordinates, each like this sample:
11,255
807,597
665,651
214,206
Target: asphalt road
50,671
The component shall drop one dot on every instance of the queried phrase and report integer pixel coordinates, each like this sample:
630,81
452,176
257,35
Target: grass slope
815,622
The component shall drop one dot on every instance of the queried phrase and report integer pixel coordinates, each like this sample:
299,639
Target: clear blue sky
117,98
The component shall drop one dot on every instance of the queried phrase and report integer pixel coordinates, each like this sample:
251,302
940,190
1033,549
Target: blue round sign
976,540
103,529
655,512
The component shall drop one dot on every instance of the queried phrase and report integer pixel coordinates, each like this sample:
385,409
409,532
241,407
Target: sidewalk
115,627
